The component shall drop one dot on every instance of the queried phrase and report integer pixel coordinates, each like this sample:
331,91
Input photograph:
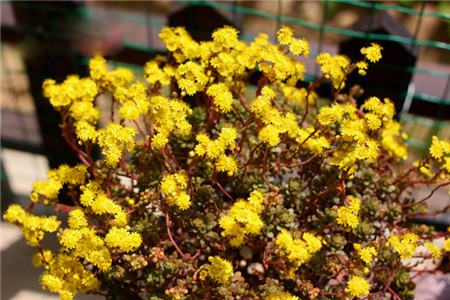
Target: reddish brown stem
169,233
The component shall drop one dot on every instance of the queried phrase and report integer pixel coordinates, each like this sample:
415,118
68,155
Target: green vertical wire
278,25
369,26
414,45
321,33
236,20
148,25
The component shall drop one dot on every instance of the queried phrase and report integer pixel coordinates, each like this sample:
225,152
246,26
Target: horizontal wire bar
406,10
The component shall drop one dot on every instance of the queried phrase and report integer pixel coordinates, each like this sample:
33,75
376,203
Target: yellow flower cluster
358,287
191,77
108,80
296,46
173,187
314,142
122,239
372,53
404,245
179,42
113,139
440,151
348,214
219,269
361,138
79,95
221,95
56,178
93,198
71,91
215,149
155,74
297,96
365,253
435,251
83,242
133,101
168,116
281,296
33,227
279,67
297,251
275,123
243,219
66,276
362,67
334,67
228,57
390,140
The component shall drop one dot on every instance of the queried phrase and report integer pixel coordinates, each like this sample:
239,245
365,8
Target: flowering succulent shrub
209,187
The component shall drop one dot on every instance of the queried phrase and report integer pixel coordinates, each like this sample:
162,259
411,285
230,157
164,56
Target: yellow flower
334,67
281,296
329,115
437,148
447,245
113,139
373,121
404,245
66,276
70,238
243,219
225,37
122,239
358,287
390,140
52,283
221,95
299,47
372,53
297,251
362,67
296,46
270,135
366,254
285,35
173,187
219,270
77,219
434,250
226,164
169,116
153,73
348,215
33,227
215,149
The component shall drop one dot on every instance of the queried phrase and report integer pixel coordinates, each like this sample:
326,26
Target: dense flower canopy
200,182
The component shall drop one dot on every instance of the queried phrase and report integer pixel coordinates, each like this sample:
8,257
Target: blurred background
42,40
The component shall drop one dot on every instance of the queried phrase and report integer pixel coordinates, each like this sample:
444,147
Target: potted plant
209,187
